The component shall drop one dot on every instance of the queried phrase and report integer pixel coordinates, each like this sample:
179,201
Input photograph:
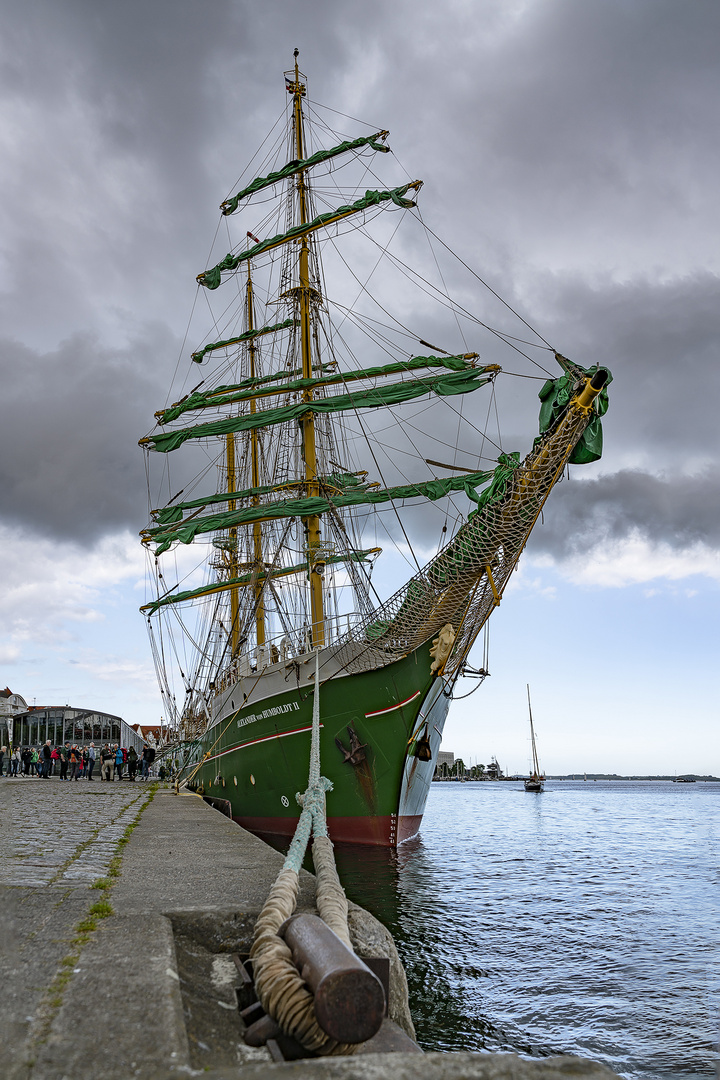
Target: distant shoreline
683,778
615,776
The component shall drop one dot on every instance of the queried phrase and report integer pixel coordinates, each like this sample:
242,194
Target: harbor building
445,757
10,705
80,726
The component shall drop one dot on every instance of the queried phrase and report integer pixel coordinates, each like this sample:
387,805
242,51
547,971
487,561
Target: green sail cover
212,278
555,396
170,514
245,384
311,507
231,205
230,395
459,382
247,336
245,579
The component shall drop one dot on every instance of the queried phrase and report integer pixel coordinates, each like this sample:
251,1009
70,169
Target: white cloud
47,586
635,560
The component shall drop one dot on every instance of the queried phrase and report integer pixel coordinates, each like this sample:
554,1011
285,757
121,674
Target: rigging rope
282,991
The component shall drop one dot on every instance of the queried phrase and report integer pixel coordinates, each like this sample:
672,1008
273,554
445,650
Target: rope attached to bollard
279,986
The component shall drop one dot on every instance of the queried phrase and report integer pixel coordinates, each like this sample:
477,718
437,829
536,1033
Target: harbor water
583,920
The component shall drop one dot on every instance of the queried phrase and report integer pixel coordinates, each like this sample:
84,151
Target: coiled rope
282,992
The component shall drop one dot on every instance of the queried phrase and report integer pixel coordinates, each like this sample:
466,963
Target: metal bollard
349,998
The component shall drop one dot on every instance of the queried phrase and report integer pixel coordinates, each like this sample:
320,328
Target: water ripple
583,920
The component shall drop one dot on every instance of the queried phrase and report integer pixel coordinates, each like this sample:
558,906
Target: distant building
156,734
65,724
10,705
445,757
494,771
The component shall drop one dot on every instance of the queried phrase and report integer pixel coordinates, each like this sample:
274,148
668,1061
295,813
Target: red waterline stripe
265,738
393,707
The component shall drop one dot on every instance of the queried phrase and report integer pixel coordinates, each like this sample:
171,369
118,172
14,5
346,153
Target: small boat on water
536,780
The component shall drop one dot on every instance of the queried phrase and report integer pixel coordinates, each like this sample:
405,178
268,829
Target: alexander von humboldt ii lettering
313,401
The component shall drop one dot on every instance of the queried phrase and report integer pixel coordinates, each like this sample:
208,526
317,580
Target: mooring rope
282,992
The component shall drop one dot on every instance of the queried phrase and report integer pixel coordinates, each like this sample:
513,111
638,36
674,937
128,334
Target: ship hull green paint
258,756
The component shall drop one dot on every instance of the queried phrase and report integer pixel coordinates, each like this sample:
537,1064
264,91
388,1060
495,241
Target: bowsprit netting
465,581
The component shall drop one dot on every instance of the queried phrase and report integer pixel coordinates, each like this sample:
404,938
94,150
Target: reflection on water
582,920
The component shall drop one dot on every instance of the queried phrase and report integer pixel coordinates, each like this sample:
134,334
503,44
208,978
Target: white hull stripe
254,742
380,712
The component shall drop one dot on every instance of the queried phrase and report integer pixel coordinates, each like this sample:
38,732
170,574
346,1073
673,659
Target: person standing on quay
75,758
132,760
148,756
119,761
54,759
15,761
64,758
91,760
107,758
46,760
3,752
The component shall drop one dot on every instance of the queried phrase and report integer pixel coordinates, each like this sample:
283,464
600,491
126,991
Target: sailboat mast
312,487
255,476
536,765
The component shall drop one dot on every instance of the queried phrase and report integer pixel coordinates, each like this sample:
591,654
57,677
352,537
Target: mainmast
312,487
255,476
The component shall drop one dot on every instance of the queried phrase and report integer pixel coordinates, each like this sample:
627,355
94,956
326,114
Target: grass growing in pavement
101,909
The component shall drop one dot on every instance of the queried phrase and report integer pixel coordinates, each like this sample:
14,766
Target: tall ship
313,425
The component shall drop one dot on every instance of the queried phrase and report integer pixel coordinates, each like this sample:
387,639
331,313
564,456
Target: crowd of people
72,762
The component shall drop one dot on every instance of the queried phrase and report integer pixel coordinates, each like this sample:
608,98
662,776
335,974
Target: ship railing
282,648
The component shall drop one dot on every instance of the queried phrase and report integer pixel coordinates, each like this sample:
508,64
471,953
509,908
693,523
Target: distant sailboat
536,780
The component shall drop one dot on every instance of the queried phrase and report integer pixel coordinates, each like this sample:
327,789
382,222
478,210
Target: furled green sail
247,336
168,514
459,382
231,205
212,278
186,532
246,579
258,380
230,395
556,395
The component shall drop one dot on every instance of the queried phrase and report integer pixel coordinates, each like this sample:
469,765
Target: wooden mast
258,566
312,487
233,552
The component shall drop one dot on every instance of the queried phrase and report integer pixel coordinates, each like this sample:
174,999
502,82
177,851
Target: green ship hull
380,734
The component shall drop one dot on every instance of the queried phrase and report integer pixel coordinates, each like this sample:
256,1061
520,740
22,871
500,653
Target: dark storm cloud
662,342
679,511
70,467
569,154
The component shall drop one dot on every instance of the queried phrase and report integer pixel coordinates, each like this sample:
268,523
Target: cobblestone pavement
56,839
53,834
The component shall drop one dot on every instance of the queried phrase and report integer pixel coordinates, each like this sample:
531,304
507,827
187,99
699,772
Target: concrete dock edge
151,994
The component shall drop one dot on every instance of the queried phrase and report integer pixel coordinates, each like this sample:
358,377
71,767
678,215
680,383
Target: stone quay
121,905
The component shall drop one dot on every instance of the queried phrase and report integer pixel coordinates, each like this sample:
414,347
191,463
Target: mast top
294,85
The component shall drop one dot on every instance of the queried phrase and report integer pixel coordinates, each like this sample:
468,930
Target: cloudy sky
570,155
